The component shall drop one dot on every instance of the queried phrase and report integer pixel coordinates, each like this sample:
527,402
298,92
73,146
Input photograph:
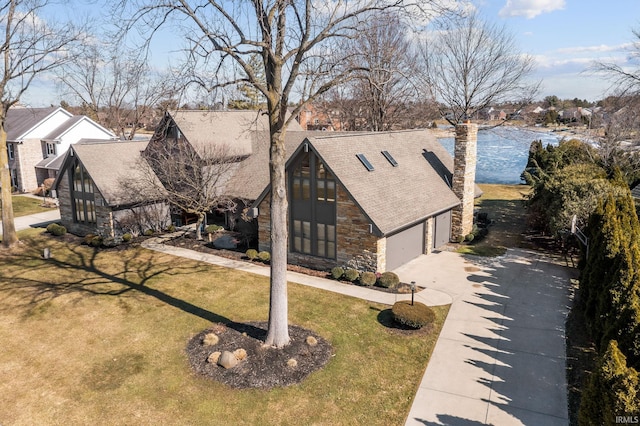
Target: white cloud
530,8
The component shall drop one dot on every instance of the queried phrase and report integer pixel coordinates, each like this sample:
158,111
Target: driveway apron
500,358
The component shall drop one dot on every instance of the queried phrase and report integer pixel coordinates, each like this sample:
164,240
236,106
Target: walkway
500,358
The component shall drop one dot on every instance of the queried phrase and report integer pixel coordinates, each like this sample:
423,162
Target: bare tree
624,81
188,178
115,84
383,86
296,42
469,65
30,47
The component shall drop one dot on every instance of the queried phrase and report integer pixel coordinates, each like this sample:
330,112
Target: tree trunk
199,223
9,236
278,332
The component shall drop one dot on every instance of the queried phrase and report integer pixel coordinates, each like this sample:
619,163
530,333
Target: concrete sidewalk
428,296
500,358
36,220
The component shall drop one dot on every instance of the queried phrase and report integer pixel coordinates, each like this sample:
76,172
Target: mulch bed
265,367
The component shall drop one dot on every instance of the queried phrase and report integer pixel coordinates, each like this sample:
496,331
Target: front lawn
23,206
99,337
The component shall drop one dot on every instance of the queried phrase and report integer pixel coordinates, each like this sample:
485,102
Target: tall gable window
82,194
313,207
11,151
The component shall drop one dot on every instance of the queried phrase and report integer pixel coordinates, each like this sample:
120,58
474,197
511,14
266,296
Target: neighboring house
378,198
37,138
93,190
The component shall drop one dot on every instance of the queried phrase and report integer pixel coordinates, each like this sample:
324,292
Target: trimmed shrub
337,272
95,241
415,316
252,254
368,278
264,256
351,275
126,237
388,280
460,239
87,238
148,233
210,229
469,237
56,229
171,228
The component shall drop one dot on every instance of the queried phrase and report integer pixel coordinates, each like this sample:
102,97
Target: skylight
390,158
365,162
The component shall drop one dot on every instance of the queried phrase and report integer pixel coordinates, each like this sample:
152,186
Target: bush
171,228
126,237
264,256
460,239
351,275
95,241
415,316
87,238
337,272
148,233
469,237
388,280
252,254
210,229
56,229
368,278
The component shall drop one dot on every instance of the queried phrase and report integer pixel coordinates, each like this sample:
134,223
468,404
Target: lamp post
413,290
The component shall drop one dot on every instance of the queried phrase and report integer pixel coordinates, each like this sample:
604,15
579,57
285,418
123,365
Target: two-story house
37,138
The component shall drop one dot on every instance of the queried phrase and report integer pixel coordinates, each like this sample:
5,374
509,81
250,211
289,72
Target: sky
564,36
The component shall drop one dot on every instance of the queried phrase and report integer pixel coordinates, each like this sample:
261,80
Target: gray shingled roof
51,163
252,177
392,197
20,120
204,129
110,163
635,191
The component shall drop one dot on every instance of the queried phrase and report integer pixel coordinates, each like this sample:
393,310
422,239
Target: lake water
503,152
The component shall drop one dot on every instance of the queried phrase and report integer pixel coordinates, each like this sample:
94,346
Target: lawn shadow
93,279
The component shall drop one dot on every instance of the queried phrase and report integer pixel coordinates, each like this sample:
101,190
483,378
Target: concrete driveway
500,358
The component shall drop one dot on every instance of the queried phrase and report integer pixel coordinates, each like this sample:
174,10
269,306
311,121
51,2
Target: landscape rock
213,358
227,360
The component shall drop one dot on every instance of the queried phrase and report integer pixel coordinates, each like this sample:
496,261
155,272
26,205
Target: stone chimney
464,178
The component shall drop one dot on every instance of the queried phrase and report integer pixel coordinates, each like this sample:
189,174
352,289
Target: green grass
99,337
505,206
23,206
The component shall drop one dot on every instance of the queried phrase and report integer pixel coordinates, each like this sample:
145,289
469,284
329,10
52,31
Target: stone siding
428,235
464,174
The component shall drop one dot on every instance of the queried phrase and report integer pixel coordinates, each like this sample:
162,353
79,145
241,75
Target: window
84,204
51,149
365,162
14,178
313,207
11,151
390,158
